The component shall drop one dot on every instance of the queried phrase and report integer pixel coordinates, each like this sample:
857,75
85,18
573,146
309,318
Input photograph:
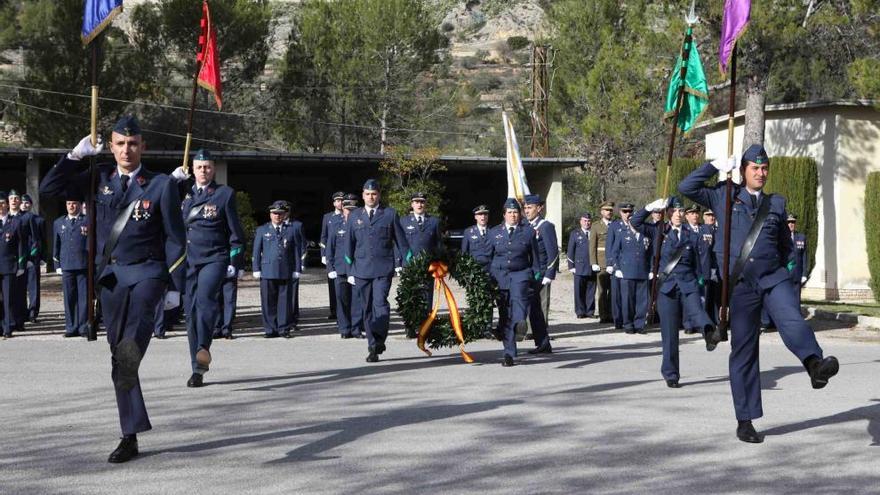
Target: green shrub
680,169
797,178
872,230
518,42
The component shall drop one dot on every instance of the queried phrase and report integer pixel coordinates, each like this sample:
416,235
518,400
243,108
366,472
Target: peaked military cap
481,209
127,126
26,198
512,204
371,185
203,155
756,154
350,204
791,218
626,207
338,195
280,206
533,199
13,192
3,196
709,212
586,215
418,196
693,208
73,194
607,205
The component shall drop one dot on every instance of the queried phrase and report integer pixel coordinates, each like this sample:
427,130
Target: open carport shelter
308,180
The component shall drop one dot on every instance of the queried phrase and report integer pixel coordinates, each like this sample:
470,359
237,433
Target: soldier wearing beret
329,224
30,238
548,257
581,266
70,254
214,252
13,254
141,253
629,259
761,261
277,255
32,269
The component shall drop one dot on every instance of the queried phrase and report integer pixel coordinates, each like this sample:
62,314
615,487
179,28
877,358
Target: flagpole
90,201
192,109
679,100
723,318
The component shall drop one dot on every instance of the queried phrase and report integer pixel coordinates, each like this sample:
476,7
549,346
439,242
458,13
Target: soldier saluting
761,257
140,240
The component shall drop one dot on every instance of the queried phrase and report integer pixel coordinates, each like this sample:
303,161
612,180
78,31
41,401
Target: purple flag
733,23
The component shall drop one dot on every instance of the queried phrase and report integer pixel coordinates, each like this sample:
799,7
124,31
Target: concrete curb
872,322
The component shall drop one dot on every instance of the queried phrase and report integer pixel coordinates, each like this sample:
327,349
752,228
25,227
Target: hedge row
872,230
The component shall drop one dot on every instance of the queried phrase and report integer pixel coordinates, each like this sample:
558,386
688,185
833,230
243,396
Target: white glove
609,269
58,271
323,260
230,271
659,204
398,270
725,165
618,274
257,275
179,173
19,272
546,281
350,279
85,148
332,275
650,275
572,270
172,299
595,268
803,280
296,275
30,264
713,275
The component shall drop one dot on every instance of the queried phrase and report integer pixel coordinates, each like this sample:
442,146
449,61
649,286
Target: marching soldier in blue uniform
581,267
548,257
214,252
277,248
704,258
32,269
630,255
608,312
329,225
761,261
29,236
349,312
679,283
375,248
713,282
141,252
798,275
293,294
13,255
515,267
70,254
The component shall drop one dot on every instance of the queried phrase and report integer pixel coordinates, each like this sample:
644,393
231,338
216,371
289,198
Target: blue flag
97,15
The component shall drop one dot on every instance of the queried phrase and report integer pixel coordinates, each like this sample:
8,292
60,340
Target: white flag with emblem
517,187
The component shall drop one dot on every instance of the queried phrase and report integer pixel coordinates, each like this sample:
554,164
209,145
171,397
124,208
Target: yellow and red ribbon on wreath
439,270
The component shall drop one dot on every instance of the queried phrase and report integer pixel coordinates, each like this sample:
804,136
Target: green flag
695,86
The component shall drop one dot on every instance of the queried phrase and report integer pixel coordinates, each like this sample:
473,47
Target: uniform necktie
123,179
754,200
674,237
278,229
510,231
371,214
420,221
482,232
199,192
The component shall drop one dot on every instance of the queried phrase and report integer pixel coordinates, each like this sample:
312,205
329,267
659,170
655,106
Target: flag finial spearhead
691,17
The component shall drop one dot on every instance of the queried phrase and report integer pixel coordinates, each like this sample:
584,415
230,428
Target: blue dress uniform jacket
70,253
329,223
32,272
578,255
424,237
12,258
349,320
761,285
548,247
610,240
515,267
146,262
477,245
213,228
277,256
631,252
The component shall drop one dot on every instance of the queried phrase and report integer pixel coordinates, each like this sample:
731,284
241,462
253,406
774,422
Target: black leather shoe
581,317
128,360
372,357
270,335
746,432
286,334
345,336
821,370
69,335
673,384
689,331
711,336
126,451
331,317
629,331
161,336
195,381
229,336
641,331
380,348
508,361
542,349
359,336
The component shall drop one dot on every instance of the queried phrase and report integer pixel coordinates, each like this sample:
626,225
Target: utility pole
540,101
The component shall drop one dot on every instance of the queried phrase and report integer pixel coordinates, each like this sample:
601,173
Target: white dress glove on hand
546,281
296,275
618,274
595,268
58,271
257,275
332,275
19,272
713,275
650,275
803,280
350,279
179,173
572,270
172,299
230,271
398,270
659,204
84,148
323,260
725,165
609,269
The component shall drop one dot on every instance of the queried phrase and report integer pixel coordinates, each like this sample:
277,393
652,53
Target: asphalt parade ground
308,415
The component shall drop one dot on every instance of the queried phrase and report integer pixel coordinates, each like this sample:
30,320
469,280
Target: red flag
209,75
